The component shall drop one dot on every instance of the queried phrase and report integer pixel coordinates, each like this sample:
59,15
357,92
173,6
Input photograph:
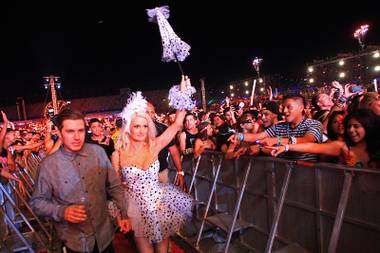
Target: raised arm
165,138
28,146
4,129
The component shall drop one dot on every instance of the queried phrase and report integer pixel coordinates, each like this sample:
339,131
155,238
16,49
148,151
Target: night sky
99,48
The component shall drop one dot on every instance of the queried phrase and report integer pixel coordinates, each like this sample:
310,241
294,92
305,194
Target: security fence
265,204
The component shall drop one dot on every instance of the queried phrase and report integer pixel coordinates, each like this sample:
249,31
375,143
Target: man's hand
338,86
75,213
106,141
124,225
270,93
275,151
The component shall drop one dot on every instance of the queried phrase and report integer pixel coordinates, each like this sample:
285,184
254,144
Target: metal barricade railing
25,230
286,204
27,235
32,161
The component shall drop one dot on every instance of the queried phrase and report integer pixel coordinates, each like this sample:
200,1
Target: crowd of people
125,159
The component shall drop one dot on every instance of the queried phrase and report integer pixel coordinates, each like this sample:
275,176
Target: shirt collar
73,155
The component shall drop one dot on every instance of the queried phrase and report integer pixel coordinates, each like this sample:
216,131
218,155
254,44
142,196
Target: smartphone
356,89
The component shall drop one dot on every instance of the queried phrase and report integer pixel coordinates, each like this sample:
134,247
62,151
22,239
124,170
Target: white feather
136,103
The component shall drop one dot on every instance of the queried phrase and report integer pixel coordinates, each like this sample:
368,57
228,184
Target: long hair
202,130
370,122
330,133
124,138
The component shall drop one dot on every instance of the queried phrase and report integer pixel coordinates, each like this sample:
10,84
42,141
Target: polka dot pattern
156,210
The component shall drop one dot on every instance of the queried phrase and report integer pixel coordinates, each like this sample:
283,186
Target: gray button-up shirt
87,177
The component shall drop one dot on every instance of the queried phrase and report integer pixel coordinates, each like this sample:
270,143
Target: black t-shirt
3,153
223,134
190,139
110,148
163,155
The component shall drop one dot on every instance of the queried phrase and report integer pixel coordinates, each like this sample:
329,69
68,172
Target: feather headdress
136,103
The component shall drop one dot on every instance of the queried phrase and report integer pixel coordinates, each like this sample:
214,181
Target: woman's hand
185,83
180,182
349,156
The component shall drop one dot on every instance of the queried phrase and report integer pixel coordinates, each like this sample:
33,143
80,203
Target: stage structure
52,108
360,68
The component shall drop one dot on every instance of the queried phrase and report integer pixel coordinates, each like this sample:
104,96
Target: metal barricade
285,206
23,230
22,235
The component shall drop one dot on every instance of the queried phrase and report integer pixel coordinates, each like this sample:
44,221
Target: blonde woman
156,210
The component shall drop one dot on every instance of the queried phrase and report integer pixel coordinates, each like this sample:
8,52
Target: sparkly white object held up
173,47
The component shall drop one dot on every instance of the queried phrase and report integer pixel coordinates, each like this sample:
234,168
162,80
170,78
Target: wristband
286,147
242,137
180,173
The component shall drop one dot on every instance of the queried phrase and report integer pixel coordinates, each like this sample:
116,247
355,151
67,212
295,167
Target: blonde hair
124,141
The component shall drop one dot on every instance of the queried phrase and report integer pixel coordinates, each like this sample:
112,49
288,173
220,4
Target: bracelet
180,173
286,147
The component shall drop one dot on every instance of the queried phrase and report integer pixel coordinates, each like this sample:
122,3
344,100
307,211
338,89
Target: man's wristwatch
180,173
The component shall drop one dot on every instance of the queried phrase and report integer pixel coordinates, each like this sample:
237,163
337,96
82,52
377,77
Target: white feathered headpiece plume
136,103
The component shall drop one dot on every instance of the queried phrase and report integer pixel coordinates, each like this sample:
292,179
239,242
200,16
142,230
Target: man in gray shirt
73,186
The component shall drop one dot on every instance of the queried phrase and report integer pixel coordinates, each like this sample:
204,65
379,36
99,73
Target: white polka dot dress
156,210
